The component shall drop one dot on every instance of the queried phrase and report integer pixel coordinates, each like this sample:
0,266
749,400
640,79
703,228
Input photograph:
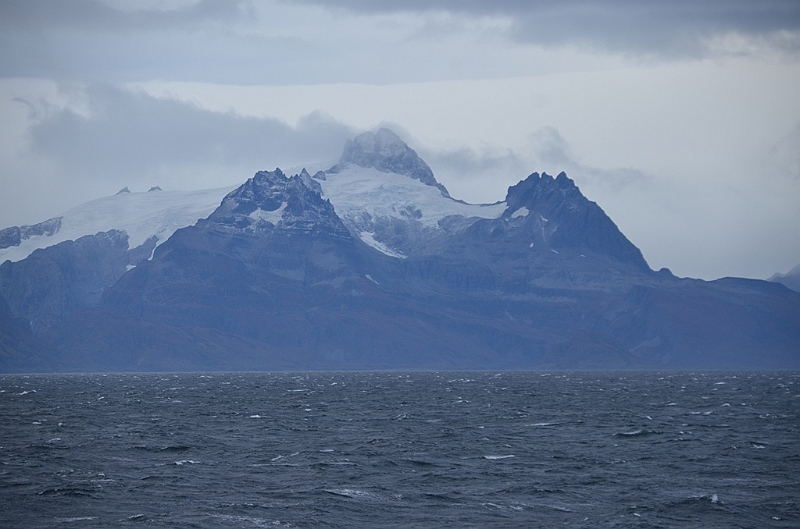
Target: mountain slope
53,268
54,282
20,350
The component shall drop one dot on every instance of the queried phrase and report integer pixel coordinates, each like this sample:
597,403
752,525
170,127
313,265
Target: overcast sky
680,118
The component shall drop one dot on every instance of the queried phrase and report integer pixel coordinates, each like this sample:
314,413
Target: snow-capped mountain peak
387,195
271,200
385,151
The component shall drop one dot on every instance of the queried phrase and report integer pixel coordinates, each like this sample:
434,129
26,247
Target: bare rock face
557,209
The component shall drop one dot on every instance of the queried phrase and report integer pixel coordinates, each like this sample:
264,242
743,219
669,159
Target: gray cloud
553,152
655,27
23,15
89,39
122,138
245,42
483,175
477,176
784,158
133,135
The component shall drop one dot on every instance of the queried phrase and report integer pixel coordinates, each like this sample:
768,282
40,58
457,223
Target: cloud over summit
671,28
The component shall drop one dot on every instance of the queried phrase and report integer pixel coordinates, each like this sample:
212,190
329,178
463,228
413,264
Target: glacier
358,190
141,215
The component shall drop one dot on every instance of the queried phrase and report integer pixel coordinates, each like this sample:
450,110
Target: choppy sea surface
391,449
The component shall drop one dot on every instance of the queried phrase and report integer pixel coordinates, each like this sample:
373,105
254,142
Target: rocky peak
545,193
385,151
573,221
271,200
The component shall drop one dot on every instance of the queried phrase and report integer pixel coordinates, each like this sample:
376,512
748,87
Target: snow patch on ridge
369,239
273,217
520,212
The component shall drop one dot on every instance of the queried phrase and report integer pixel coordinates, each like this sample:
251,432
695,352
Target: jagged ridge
270,200
567,219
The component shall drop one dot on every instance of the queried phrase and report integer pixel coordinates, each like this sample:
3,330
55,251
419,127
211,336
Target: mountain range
790,279
367,264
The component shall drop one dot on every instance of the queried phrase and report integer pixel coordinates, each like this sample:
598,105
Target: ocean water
391,449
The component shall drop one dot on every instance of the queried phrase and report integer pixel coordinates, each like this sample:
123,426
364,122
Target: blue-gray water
521,449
